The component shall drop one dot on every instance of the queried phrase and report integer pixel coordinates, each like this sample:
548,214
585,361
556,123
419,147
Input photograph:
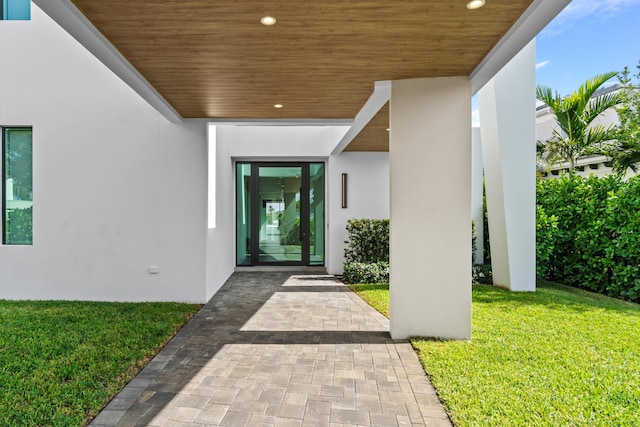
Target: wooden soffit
213,59
375,136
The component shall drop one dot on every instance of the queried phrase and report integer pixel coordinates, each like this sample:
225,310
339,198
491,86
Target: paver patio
281,349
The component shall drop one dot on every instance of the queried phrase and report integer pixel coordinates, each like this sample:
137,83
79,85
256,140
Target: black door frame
304,213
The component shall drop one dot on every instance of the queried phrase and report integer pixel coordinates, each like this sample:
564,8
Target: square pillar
430,228
507,105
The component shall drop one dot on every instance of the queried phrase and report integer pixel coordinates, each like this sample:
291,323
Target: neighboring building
585,166
173,143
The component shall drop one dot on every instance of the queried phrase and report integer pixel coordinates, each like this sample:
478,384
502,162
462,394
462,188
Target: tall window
17,186
15,10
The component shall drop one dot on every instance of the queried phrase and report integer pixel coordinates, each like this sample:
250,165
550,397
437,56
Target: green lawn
376,295
556,357
61,362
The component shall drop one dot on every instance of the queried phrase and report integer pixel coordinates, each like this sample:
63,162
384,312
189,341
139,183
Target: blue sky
589,37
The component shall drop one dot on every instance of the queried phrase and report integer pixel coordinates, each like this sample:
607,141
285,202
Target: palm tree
578,135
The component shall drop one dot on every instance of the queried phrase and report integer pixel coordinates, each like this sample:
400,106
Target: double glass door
279,213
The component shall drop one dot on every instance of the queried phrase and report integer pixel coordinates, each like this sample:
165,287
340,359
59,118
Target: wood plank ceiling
375,136
213,59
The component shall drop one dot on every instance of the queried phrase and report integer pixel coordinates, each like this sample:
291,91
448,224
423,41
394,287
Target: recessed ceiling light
475,4
268,20
278,105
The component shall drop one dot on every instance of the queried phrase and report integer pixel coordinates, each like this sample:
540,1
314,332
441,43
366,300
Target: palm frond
545,94
597,133
600,104
589,88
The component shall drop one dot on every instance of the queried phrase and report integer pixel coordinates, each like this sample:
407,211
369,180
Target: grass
556,357
61,362
376,295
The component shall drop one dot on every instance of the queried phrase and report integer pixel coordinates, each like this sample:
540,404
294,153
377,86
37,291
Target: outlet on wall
153,269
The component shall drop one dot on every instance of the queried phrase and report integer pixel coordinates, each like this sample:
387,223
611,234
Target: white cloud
578,9
542,64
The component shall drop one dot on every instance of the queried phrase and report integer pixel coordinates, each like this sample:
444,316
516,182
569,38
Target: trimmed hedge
589,234
546,235
367,251
359,272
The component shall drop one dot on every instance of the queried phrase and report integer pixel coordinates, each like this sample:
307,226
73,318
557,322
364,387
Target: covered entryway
280,214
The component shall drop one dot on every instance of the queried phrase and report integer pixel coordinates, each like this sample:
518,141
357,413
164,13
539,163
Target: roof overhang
109,32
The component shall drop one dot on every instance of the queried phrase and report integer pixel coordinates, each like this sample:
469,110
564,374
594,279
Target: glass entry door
280,213
279,233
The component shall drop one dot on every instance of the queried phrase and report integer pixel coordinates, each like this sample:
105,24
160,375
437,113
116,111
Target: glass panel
316,214
16,10
243,214
279,232
18,187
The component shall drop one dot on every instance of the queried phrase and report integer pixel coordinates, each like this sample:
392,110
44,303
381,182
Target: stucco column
430,169
507,124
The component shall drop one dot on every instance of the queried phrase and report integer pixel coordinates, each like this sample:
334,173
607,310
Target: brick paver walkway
281,349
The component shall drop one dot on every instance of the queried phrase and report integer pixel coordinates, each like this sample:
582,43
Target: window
17,186
16,10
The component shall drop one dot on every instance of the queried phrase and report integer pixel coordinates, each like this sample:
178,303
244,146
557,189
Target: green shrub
368,241
474,240
367,251
358,272
481,273
597,242
20,226
546,234
486,244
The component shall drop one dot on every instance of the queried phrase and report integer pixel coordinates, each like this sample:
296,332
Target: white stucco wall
220,253
367,197
117,188
273,143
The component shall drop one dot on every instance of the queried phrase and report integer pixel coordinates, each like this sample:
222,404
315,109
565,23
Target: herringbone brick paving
281,349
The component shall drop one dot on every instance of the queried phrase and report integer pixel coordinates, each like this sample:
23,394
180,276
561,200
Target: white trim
67,15
379,97
282,122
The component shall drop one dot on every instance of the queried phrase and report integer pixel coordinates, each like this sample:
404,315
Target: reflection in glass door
316,214
280,213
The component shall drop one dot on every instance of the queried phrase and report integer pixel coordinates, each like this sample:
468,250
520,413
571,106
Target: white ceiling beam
379,97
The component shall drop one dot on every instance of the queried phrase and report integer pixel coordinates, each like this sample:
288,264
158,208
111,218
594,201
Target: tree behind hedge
597,243
368,241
